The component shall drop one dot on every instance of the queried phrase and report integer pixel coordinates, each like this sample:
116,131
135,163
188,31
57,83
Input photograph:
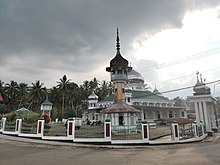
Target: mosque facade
130,88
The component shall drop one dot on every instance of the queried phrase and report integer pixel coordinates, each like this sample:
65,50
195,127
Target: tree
11,90
62,85
105,90
77,110
22,94
37,94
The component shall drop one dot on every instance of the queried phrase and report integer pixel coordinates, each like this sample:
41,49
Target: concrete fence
105,133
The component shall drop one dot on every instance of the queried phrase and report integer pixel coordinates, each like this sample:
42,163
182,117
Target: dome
135,77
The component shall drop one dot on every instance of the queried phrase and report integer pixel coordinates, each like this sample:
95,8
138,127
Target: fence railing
10,126
90,131
141,133
28,128
55,129
160,131
127,132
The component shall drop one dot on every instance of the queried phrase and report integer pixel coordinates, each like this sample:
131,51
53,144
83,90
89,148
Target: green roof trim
47,102
140,95
147,95
23,111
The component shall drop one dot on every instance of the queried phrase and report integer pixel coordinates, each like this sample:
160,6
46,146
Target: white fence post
40,128
71,129
175,132
107,129
145,132
18,126
195,128
3,124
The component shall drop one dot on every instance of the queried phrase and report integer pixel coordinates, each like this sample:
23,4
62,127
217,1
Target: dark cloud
39,36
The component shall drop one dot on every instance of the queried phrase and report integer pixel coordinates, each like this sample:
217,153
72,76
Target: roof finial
117,42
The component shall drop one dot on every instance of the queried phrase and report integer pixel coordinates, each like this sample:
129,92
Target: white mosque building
152,104
131,97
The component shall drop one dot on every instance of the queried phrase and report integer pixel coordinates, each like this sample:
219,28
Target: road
23,153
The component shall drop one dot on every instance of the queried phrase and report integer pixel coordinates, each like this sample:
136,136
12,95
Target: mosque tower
119,72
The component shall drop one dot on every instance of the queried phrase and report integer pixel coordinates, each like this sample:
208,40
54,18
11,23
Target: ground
35,152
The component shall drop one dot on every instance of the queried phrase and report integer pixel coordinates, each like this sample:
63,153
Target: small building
203,104
46,107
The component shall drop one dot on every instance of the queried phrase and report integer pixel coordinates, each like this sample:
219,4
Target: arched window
158,114
170,114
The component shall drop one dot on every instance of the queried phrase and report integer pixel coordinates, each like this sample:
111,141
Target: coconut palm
106,89
1,91
37,94
63,86
11,90
22,93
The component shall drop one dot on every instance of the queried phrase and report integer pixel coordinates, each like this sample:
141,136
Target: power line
175,90
186,59
177,78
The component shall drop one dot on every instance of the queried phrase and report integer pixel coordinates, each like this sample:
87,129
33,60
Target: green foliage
67,97
11,117
30,118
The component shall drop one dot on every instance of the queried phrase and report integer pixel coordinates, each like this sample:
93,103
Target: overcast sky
167,41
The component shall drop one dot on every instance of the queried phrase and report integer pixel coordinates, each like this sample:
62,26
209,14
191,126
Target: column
207,123
145,131
197,112
18,126
175,131
107,130
195,128
71,129
142,115
3,124
40,127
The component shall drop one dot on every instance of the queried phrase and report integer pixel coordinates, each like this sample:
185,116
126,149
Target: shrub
46,118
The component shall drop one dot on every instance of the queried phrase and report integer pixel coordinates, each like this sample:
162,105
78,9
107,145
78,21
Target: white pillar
201,110
145,132
3,124
197,112
175,131
142,115
207,122
18,126
195,128
107,130
71,129
40,128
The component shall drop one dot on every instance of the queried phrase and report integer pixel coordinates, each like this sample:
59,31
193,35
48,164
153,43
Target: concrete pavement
214,138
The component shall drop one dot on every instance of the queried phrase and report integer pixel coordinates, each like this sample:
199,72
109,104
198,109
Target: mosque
131,101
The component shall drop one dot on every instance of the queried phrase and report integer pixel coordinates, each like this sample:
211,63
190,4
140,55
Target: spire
117,42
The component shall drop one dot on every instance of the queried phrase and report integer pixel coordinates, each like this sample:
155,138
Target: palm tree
22,93
105,90
93,85
62,85
11,90
73,94
37,94
1,91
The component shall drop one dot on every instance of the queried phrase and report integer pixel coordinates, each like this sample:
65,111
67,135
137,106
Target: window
129,99
170,114
121,120
158,114
182,114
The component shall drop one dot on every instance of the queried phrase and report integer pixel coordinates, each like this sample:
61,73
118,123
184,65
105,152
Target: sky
167,41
